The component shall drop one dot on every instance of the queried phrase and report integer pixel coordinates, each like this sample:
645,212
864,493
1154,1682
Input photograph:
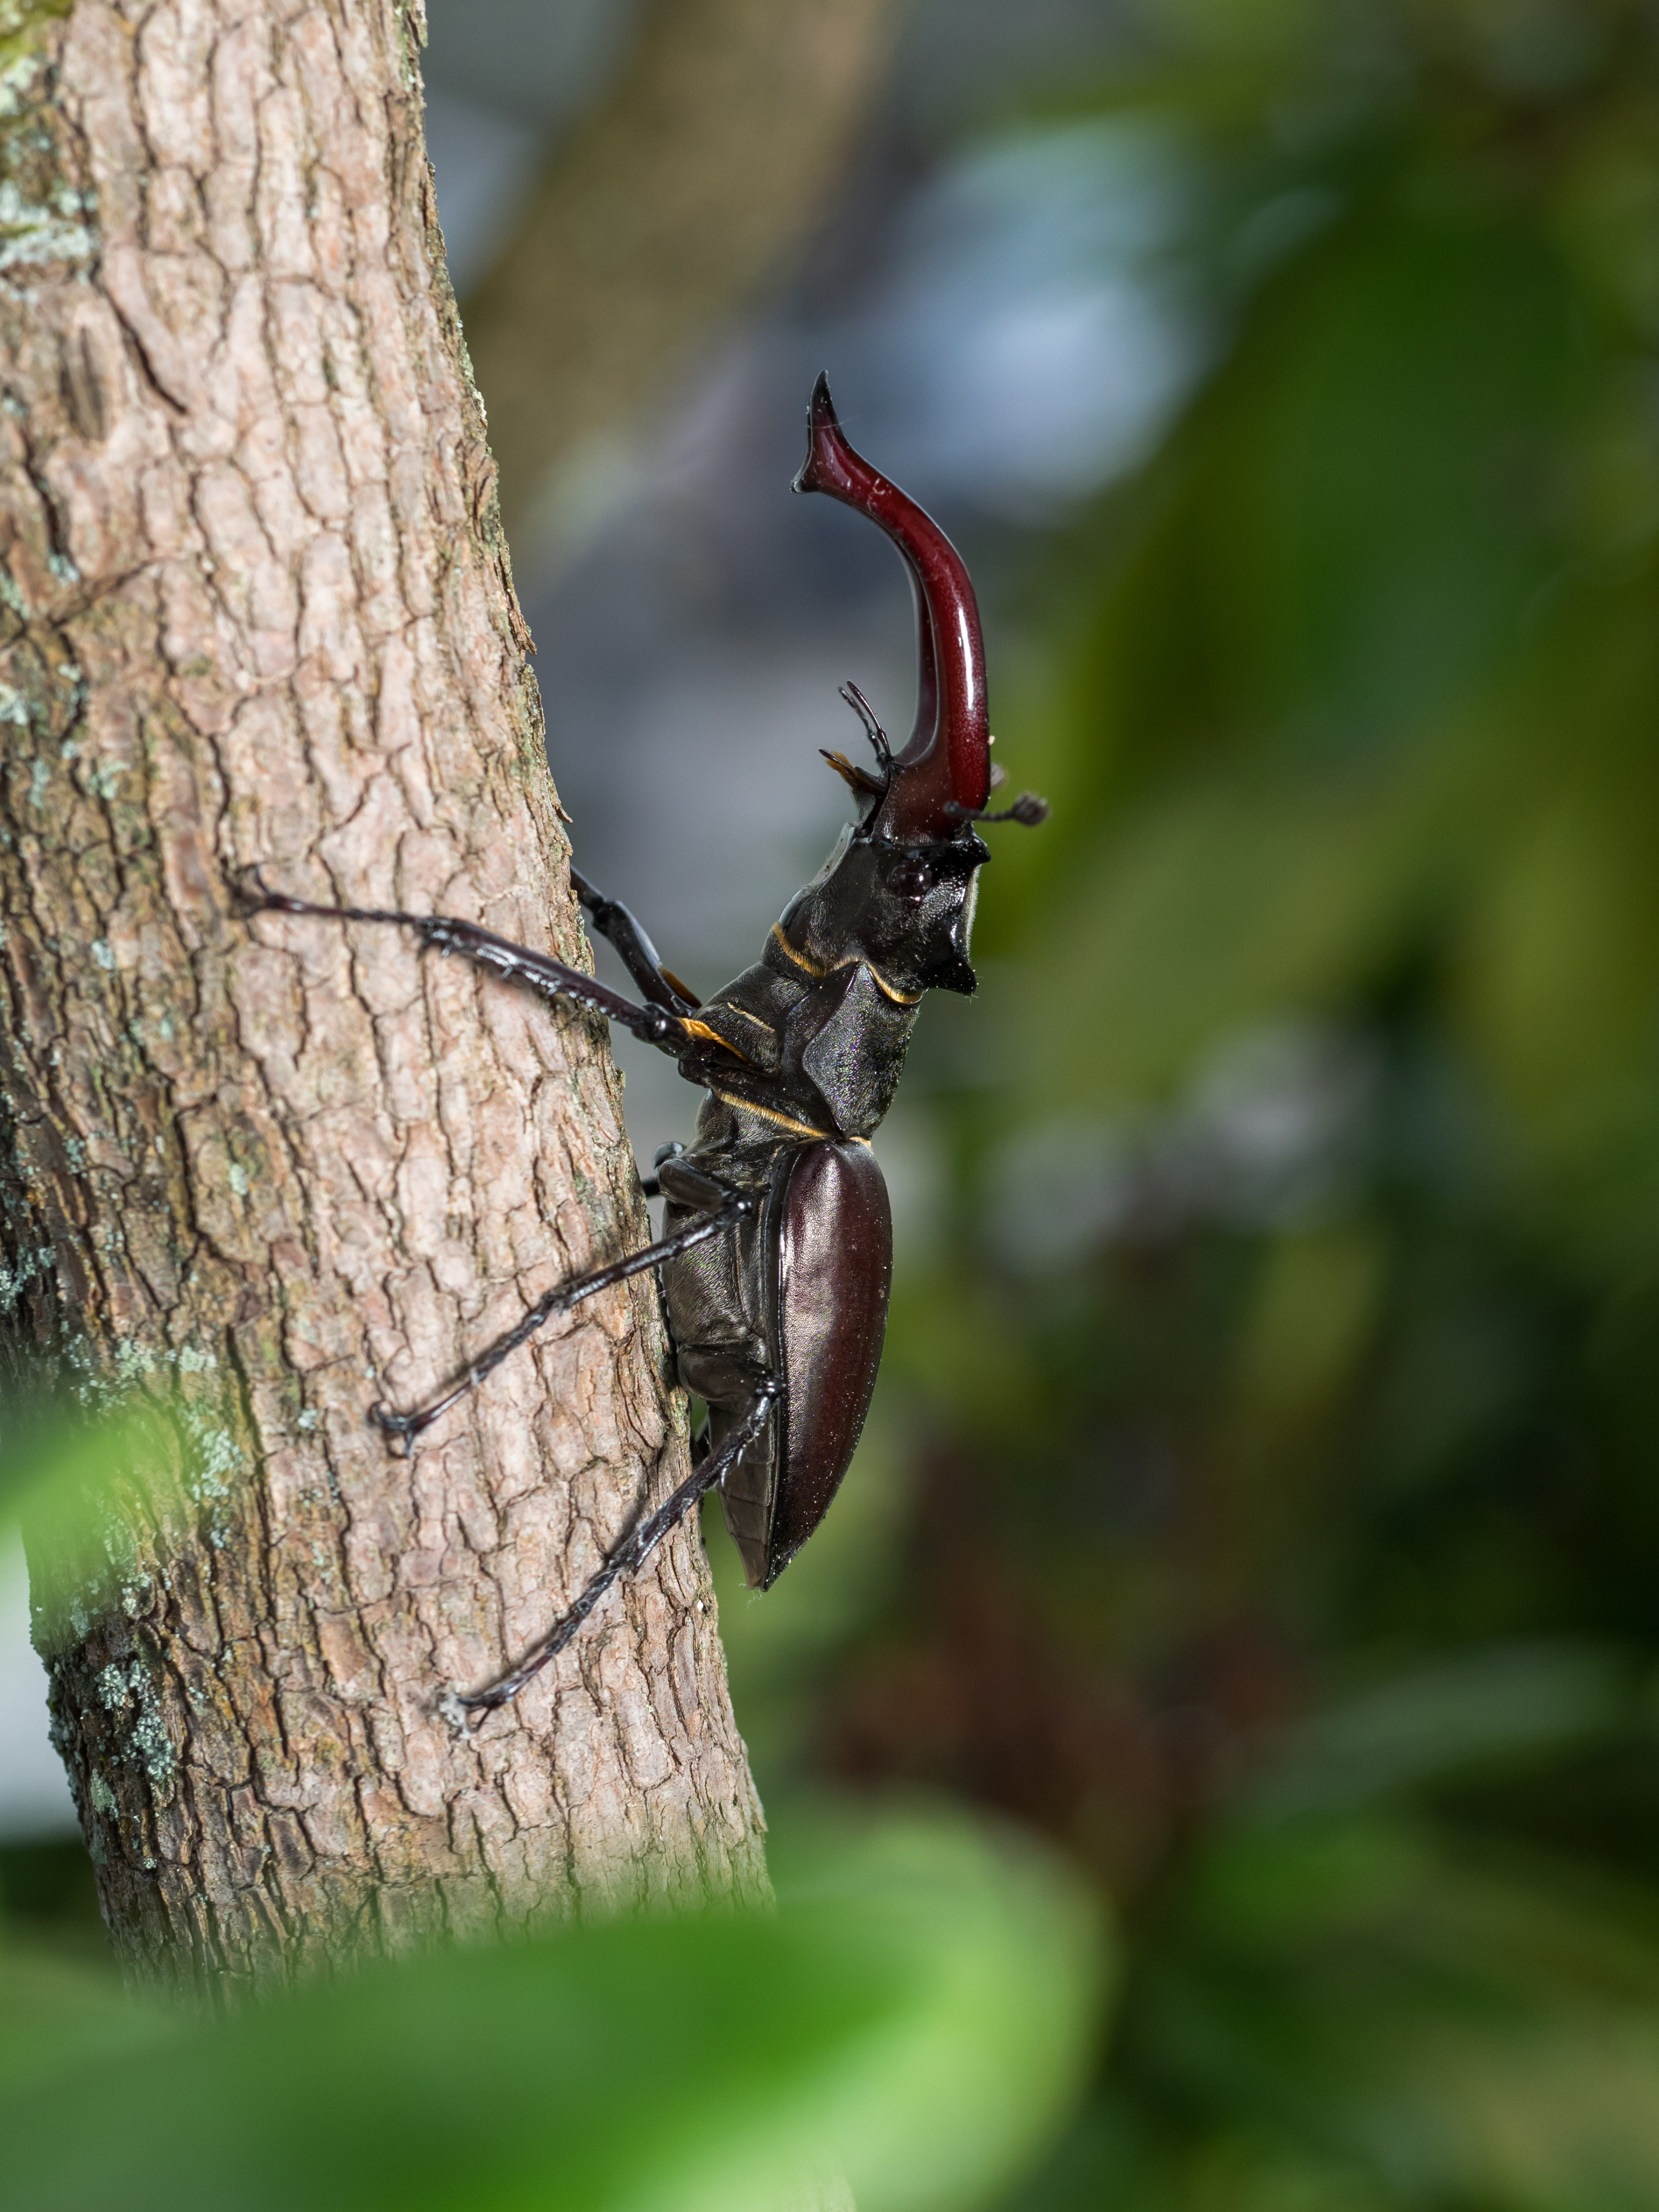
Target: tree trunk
258,608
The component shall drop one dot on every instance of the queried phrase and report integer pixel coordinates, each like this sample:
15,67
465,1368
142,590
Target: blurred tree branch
662,215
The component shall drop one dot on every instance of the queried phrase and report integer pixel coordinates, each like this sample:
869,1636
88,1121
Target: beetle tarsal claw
248,887
398,1429
452,1708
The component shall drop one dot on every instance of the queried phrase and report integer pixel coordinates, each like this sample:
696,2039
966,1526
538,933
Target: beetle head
899,889
905,909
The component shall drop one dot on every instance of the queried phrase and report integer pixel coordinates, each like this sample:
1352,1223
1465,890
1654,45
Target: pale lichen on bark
258,608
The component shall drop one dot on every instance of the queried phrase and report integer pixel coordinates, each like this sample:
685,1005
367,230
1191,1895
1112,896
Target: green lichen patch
46,217
24,25
57,227
29,1265
130,1691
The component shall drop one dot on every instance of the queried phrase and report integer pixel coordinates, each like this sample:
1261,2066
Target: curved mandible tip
945,770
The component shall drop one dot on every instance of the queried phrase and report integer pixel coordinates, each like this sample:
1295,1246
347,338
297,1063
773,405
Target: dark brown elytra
776,1251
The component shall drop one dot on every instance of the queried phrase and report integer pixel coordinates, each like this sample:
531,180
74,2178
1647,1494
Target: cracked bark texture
256,607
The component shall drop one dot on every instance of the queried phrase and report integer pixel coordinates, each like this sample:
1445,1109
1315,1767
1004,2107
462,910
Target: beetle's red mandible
947,760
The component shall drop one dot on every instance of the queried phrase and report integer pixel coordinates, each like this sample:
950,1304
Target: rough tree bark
258,608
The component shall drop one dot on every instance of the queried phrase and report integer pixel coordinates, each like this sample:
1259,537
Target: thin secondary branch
662,215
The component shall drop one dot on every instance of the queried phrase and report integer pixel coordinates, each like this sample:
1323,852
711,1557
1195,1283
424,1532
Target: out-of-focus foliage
80,1484
913,2018
1281,1399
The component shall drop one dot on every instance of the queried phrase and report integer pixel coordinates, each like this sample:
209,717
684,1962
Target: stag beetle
776,1249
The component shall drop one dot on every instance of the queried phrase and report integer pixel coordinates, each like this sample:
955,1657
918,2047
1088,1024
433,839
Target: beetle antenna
1028,809
872,729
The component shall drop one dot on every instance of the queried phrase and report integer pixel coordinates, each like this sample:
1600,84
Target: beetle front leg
550,978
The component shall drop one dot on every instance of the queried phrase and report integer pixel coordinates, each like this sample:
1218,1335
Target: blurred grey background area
992,305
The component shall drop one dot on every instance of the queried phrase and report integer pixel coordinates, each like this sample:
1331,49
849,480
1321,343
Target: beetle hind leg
629,1556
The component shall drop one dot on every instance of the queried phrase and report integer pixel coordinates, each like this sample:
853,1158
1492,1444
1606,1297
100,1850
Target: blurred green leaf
81,1487
915,2015
59,2015
1489,1707
1346,2012
1215,908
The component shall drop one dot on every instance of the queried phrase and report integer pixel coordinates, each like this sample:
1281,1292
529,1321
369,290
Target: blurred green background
1265,1506
1260,1500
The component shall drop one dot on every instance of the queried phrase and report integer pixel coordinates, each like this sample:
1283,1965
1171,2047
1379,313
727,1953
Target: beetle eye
911,879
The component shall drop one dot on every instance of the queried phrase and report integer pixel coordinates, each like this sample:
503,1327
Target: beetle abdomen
835,1261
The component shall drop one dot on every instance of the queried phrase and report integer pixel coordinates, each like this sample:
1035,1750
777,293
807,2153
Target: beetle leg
652,1184
629,1556
657,1025
401,1429
639,955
